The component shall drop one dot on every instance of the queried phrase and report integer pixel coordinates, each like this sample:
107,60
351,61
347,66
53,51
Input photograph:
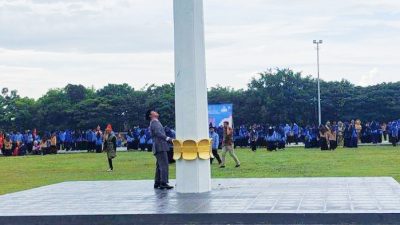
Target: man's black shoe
238,165
156,186
165,186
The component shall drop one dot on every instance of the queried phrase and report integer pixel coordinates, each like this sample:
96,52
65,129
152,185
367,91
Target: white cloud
370,78
24,70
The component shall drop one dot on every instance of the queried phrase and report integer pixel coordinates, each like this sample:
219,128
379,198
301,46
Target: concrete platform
232,201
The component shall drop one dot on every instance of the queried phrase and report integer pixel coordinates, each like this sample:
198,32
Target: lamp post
318,80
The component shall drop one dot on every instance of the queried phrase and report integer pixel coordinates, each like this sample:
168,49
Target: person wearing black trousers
215,143
323,137
332,139
110,146
159,149
253,139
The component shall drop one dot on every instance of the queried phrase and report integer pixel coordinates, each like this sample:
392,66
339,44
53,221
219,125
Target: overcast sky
49,43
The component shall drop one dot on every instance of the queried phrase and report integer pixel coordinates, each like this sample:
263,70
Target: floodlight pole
318,80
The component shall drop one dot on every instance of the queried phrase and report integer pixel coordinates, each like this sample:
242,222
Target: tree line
273,97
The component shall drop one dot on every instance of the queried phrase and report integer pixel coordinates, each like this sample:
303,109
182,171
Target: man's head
151,114
212,129
226,124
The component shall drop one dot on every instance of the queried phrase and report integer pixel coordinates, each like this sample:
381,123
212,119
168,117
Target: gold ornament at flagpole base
191,149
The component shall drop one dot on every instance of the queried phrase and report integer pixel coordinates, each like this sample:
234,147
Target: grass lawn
20,173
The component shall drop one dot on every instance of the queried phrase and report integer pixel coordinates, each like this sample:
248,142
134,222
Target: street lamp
319,90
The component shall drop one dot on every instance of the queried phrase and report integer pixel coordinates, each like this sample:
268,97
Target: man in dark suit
160,149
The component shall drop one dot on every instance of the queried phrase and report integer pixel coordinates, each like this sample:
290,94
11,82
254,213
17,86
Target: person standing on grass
288,131
53,143
346,136
296,131
358,126
1,141
281,138
129,140
354,137
29,141
332,139
384,131
323,137
394,136
271,139
99,142
253,137
159,148
227,145
307,137
215,142
110,146
7,146
142,140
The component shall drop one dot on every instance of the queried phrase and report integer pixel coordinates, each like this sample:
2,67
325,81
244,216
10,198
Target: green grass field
20,173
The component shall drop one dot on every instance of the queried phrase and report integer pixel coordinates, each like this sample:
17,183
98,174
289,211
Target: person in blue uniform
99,141
29,141
354,137
296,131
307,137
271,139
142,140
281,138
314,137
394,133
374,132
129,140
93,140
135,133
214,145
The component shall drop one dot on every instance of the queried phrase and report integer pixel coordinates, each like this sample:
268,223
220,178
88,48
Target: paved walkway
278,195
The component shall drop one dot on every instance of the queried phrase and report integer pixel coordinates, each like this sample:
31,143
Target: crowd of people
43,143
327,137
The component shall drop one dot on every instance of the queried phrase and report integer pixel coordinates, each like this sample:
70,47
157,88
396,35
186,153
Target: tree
55,111
8,110
75,93
272,97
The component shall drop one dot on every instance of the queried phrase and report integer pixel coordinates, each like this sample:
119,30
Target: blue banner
219,113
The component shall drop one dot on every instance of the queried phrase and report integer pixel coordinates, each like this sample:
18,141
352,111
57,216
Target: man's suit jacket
157,132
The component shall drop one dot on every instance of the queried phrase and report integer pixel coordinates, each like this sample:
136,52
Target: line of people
92,140
347,134
18,144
